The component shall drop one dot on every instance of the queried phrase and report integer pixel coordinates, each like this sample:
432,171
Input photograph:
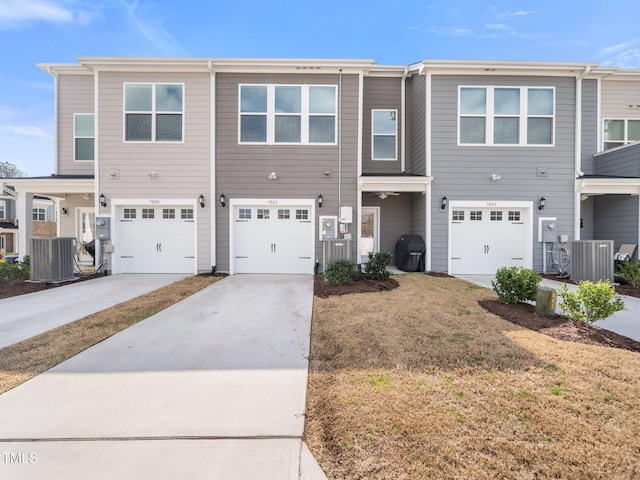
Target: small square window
302,214
284,214
148,213
457,215
244,214
186,213
496,216
475,215
168,213
263,214
514,216
129,213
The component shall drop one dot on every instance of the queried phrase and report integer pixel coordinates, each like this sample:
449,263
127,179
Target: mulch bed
11,289
364,284
622,289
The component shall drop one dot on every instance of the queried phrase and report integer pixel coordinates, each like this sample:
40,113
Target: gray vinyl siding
623,162
589,124
586,214
183,169
616,218
75,95
241,170
395,219
380,93
416,151
464,173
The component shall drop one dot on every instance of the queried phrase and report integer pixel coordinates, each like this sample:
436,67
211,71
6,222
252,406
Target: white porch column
24,214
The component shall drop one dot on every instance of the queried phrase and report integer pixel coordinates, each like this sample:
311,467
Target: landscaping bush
516,284
12,272
591,302
340,272
630,271
377,266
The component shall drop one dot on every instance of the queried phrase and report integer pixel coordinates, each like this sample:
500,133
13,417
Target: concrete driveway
24,316
213,387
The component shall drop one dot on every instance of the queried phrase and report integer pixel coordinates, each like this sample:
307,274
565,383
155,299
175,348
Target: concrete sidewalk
32,314
625,322
213,387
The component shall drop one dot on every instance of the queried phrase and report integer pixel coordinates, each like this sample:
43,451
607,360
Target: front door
370,232
86,231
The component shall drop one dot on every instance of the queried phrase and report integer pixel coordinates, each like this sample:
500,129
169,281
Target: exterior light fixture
320,199
543,203
443,203
64,210
103,200
223,200
272,176
495,177
201,200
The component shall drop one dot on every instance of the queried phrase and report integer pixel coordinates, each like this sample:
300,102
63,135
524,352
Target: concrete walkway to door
213,387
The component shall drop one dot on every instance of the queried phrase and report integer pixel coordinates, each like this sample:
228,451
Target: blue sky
390,32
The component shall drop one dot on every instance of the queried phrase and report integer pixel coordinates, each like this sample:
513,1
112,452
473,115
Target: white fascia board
393,184
621,186
493,68
55,69
52,186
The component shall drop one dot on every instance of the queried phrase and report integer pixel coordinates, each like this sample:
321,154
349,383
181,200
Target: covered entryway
155,239
272,236
485,236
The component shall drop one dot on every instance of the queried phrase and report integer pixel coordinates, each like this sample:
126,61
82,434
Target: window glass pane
168,213
302,214
138,126
514,216
287,129
137,98
84,148
148,213
169,127
473,100
322,100
253,128
475,215
539,131
322,129
169,98
507,101
457,215
244,214
472,130
384,147
263,214
496,216
614,130
288,99
284,214
634,130
540,101
506,130
186,213
84,125
384,121
253,99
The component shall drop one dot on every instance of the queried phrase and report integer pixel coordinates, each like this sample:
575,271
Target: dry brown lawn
422,383
26,359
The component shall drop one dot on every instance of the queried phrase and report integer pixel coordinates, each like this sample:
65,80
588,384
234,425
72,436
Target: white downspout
403,94
213,201
55,118
578,152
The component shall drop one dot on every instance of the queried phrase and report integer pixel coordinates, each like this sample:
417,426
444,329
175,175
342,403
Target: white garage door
155,239
272,239
486,239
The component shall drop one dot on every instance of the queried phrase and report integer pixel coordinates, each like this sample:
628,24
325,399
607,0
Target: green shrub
630,271
516,284
13,272
591,302
377,265
340,272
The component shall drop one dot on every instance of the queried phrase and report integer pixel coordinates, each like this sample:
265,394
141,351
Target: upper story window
39,214
506,116
288,114
83,136
153,112
3,209
384,132
618,132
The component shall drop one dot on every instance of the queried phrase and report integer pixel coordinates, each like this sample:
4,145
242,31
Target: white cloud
517,13
497,26
462,32
17,14
624,54
31,131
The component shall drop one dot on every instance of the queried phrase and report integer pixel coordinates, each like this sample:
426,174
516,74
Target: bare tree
9,170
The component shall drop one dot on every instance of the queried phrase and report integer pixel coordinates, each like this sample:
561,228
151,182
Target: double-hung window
506,115
618,132
39,214
287,114
153,112
83,136
384,131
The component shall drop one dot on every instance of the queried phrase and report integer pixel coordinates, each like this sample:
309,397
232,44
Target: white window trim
78,136
304,114
523,116
373,135
626,140
154,113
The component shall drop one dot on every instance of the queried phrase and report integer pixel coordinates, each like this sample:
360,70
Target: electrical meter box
103,228
328,227
549,231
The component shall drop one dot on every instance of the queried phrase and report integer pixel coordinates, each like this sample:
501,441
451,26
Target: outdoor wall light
320,199
201,200
543,203
272,176
103,200
223,200
64,210
495,177
443,203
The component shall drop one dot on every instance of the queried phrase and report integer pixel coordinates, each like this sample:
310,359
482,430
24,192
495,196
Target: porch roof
599,185
54,185
393,183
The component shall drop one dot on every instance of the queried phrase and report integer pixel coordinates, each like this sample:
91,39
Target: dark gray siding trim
616,218
395,219
416,153
464,173
586,218
589,124
623,162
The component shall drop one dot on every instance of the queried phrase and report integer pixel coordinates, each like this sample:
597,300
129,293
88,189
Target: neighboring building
237,165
